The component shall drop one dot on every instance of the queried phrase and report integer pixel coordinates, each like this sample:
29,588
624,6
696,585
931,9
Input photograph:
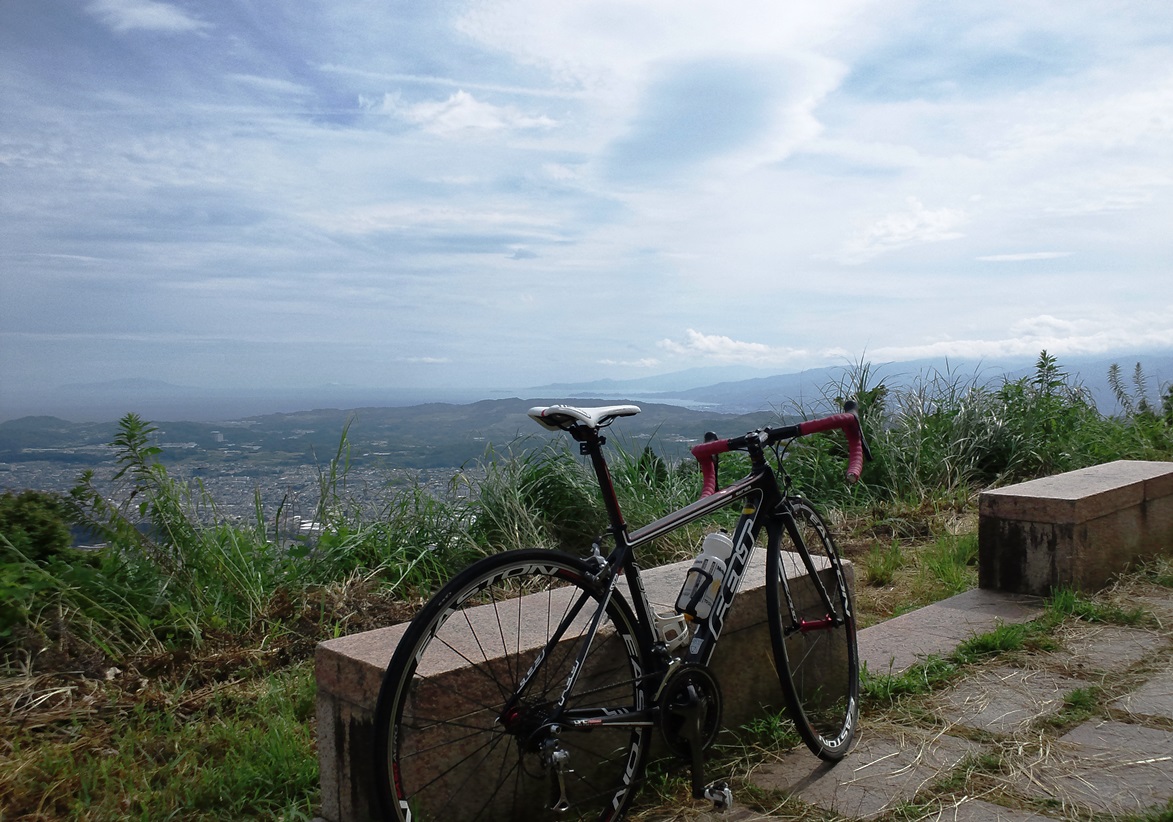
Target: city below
286,458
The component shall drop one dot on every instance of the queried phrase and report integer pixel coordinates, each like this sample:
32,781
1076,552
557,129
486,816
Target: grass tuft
881,564
1064,603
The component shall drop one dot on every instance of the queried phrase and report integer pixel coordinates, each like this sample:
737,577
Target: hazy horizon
102,401
459,195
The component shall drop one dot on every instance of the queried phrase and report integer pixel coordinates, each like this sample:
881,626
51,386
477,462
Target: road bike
532,684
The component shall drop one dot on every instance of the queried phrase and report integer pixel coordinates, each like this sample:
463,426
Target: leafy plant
36,524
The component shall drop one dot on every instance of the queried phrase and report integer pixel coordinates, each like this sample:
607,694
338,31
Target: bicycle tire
818,664
449,751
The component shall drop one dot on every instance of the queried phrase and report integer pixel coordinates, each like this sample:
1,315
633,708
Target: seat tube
591,444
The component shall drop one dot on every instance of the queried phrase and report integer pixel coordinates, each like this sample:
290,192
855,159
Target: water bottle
703,583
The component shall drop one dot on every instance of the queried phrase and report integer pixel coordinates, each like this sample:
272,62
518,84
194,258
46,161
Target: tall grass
175,570
949,434
541,497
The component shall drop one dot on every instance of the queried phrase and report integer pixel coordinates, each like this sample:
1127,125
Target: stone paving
1007,743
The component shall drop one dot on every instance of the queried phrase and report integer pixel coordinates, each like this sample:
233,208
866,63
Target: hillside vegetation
170,672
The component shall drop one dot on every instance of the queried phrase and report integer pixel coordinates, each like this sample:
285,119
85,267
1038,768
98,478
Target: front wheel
812,628
466,725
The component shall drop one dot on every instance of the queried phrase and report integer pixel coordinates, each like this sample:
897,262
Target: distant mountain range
677,410
728,390
812,389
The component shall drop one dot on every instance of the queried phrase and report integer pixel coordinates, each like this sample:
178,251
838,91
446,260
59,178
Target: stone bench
1075,530
350,670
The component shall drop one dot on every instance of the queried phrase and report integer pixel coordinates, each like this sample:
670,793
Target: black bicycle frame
764,504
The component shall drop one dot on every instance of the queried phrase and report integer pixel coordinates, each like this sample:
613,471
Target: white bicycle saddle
561,417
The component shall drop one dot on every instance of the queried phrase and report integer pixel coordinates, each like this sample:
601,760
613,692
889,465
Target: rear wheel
454,737
812,627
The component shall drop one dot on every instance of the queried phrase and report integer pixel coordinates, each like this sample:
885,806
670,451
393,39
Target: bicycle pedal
720,795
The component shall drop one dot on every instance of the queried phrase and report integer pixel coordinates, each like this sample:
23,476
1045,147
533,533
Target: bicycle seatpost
590,444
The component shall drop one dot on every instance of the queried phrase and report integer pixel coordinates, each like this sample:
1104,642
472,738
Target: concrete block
1108,648
1104,768
350,671
968,809
1153,700
1004,700
1075,530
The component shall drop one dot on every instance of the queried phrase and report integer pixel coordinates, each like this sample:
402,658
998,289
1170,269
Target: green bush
35,524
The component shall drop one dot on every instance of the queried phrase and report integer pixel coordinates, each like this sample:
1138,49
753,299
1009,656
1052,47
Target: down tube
748,525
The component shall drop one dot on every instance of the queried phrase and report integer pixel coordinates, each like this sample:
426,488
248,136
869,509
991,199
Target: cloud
1047,326
916,226
460,113
722,349
694,112
646,362
683,156
453,221
1024,257
144,15
270,84
1030,335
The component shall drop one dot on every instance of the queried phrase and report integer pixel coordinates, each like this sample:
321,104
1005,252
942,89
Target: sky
517,192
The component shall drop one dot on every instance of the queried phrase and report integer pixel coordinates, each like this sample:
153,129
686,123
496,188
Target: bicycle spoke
468,704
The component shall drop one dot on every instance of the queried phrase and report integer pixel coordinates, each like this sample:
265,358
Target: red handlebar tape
849,423
705,454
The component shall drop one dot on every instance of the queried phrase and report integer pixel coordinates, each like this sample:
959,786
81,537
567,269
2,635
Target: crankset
690,718
690,709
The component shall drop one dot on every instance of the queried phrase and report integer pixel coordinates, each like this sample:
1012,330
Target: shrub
35,524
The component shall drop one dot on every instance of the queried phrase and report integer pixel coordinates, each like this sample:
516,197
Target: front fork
798,624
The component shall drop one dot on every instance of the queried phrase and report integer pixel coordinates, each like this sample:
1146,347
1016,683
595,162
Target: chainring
691,690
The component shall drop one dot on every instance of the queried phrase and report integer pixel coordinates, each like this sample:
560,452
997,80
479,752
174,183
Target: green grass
881,564
1079,705
951,562
879,688
772,731
1065,602
1004,638
245,752
1164,814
